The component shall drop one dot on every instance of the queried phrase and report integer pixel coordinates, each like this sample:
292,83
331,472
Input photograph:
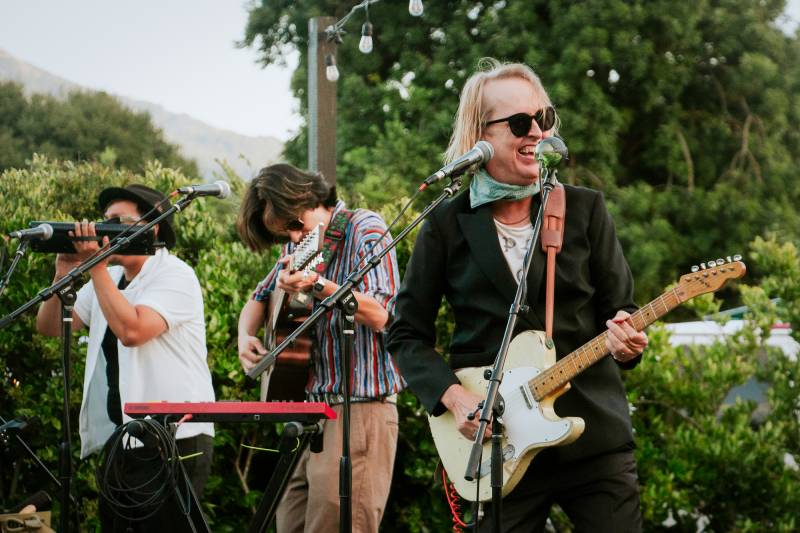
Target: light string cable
335,32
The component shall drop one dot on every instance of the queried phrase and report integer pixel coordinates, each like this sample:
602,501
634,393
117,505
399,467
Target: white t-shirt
514,242
170,367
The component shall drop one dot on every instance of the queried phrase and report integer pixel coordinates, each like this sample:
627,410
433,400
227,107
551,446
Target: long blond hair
471,114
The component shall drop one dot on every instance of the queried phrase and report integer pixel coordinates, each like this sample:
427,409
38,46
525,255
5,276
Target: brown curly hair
279,193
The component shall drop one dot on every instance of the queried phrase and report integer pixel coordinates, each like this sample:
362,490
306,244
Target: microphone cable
137,498
370,252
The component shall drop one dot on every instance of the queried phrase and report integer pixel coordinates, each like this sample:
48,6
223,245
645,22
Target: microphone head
224,189
551,151
47,231
487,151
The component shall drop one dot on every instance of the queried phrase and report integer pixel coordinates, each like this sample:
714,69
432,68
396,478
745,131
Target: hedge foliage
702,461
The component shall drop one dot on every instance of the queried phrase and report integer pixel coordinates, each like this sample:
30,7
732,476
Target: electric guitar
532,380
286,379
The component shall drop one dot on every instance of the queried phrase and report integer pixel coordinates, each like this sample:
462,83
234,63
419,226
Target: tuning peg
695,268
712,264
737,257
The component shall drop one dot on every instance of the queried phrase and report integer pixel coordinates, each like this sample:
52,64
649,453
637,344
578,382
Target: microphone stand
492,407
15,427
345,300
65,291
21,249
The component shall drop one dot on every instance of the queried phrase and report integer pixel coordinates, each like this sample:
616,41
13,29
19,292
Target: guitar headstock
307,250
710,277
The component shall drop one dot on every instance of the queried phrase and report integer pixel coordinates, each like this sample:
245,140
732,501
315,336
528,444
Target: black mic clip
11,427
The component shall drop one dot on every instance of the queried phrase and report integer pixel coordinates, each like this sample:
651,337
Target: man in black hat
146,330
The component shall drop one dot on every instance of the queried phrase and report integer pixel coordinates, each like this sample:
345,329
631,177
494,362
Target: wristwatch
319,285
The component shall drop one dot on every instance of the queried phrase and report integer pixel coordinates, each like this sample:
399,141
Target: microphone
550,151
41,232
219,188
40,501
481,153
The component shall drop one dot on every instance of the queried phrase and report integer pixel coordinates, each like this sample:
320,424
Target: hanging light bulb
415,8
331,72
365,44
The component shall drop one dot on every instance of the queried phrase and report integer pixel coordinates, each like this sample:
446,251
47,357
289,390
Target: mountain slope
197,140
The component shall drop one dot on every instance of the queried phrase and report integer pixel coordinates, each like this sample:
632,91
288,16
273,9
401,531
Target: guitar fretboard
573,364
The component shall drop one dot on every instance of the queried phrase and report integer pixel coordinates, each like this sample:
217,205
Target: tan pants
311,501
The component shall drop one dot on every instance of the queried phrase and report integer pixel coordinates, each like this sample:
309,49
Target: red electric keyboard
234,411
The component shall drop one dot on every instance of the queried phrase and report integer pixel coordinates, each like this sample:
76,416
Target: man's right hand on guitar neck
463,403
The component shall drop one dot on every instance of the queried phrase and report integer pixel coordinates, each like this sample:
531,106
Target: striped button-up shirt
374,373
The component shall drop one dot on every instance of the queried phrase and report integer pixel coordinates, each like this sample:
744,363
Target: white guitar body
532,381
528,426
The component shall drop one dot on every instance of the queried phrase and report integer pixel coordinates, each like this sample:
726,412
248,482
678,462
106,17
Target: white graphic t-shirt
514,242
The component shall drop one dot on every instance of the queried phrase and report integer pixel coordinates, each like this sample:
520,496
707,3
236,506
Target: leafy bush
701,462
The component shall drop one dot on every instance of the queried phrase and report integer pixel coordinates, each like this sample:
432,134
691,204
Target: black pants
599,494
169,518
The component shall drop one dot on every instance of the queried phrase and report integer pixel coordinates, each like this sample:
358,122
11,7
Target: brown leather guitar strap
552,238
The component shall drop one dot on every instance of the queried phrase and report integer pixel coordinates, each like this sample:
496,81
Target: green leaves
83,126
31,381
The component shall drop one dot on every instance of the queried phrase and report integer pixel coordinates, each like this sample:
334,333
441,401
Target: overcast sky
177,53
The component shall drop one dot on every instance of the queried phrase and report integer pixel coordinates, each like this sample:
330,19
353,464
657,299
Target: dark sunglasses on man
295,225
520,123
122,219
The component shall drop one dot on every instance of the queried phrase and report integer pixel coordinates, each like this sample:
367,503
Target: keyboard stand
197,521
295,438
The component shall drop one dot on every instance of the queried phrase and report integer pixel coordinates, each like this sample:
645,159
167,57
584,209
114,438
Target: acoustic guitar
532,380
286,379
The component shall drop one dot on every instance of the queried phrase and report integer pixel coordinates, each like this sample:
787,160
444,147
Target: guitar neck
573,364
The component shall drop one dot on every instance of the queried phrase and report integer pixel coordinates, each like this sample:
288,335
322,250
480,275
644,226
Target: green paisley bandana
484,189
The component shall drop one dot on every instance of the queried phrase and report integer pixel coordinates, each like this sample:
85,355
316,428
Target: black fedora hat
145,199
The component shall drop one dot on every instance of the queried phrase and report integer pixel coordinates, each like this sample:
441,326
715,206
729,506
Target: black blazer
457,255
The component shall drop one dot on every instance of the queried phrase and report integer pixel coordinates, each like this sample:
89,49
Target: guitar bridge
486,466
526,394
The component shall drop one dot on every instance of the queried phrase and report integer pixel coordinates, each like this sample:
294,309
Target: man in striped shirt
284,203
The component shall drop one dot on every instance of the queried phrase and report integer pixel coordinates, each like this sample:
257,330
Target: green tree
31,380
84,126
682,112
707,457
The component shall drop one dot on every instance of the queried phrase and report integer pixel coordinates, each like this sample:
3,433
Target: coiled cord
123,470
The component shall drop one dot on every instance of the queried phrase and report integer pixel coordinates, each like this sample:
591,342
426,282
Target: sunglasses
123,219
295,225
520,123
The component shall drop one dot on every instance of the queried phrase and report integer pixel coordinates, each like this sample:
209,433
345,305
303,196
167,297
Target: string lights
415,8
331,72
335,32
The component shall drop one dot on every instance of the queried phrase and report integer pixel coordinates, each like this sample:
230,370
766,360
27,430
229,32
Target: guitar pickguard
528,426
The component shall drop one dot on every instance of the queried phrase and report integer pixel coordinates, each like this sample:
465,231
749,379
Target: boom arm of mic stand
22,247
66,282
548,184
353,279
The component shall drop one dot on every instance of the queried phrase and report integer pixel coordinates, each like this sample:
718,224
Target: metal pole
321,101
